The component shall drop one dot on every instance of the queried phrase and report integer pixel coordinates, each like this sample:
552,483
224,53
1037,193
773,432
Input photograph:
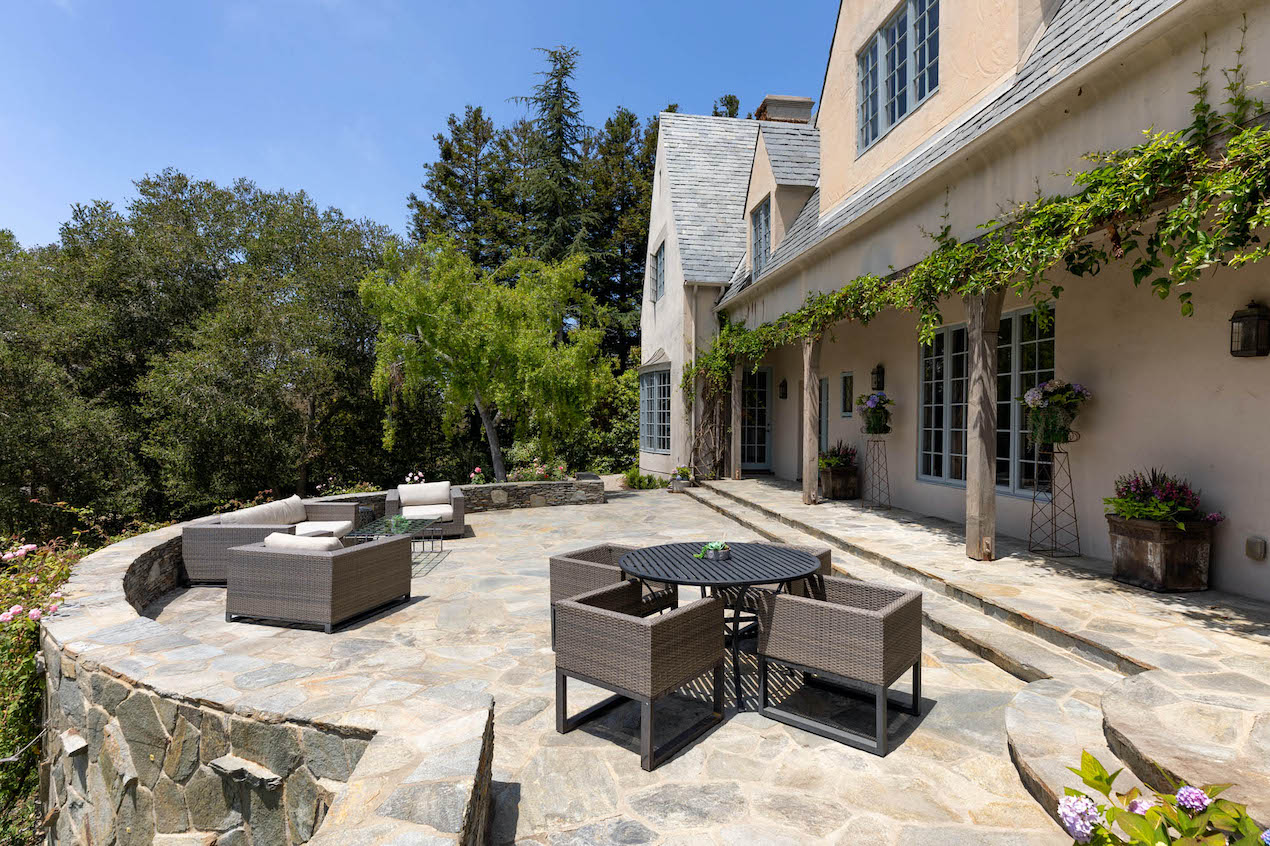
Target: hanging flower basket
875,408
1050,425
1051,409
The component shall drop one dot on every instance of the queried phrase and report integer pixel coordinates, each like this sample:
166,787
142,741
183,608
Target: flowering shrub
838,456
334,487
476,477
414,477
1051,408
538,471
1192,816
238,504
876,411
1155,495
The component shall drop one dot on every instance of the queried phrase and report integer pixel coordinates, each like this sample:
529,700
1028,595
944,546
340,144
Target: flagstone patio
478,626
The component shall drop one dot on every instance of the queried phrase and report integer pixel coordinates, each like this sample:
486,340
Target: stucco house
937,113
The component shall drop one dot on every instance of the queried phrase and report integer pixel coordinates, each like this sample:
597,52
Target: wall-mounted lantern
782,390
877,378
1250,331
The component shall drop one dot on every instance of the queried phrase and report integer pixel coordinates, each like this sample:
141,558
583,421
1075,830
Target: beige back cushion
427,493
280,540
283,512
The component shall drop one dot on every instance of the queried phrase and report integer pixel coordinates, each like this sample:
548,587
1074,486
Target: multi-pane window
761,232
848,394
823,410
1025,357
657,272
898,68
654,411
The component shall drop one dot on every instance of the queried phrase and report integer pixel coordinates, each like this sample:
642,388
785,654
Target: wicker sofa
607,638
205,543
846,634
440,501
317,587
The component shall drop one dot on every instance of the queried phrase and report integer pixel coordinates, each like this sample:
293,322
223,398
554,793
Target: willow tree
519,345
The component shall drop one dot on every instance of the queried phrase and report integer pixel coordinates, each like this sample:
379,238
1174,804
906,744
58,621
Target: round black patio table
750,564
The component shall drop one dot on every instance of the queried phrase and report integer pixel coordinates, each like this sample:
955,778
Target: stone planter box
1160,556
840,483
679,485
502,495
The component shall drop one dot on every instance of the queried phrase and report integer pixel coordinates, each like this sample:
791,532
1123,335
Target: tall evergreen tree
729,105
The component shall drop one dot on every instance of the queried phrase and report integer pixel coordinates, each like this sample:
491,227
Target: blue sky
342,98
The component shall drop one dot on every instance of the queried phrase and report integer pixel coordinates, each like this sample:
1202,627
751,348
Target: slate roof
1081,31
708,170
794,151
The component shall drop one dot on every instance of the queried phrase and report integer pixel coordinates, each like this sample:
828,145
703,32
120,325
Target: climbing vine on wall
1174,206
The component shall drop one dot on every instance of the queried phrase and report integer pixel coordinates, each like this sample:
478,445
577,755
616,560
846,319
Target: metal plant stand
1054,531
876,491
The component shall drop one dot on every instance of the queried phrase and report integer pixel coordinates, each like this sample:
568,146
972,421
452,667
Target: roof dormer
783,175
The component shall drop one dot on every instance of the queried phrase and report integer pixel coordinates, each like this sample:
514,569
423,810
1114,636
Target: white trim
847,407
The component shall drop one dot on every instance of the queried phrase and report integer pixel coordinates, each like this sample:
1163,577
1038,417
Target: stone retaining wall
532,494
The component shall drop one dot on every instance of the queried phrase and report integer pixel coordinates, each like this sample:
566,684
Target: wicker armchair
607,639
324,588
439,500
847,633
592,567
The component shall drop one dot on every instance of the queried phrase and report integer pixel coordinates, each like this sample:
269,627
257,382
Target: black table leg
736,647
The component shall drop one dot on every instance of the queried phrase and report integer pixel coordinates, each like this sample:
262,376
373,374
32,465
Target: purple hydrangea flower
1193,799
1265,837
1079,816
1141,805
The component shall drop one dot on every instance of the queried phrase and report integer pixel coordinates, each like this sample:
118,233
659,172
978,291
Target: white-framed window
848,394
1025,357
823,410
761,232
654,411
657,273
897,68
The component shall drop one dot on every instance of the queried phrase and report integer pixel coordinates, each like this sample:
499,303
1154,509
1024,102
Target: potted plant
839,472
681,480
1159,537
714,551
1051,408
875,407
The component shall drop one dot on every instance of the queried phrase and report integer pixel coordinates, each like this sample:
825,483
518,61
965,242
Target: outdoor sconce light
877,378
1250,331
782,390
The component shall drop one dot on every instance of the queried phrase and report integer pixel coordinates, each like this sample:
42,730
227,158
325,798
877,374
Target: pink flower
15,610
8,556
57,594
30,547
20,552
34,614
53,608
5,617
34,580
478,469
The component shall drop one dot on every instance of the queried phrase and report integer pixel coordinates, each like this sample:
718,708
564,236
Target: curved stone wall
143,749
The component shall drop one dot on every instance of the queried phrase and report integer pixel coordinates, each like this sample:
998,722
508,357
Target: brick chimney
781,108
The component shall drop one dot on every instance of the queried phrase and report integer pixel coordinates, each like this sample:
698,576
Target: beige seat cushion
443,513
334,528
282,512
427,493
280,540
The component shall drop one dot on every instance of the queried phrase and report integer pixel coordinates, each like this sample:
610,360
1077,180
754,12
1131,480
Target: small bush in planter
637,481
1052,408
840,456
839,475
1194,816
1155,495
877,413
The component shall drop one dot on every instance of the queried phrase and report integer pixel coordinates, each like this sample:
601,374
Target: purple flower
1079,816
1265,837
1215,517
872,403
1141,805
1193,799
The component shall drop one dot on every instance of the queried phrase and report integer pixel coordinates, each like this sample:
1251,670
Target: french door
756,419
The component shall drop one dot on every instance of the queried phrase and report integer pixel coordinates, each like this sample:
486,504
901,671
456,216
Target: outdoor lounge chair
592,567
293,581
205,543
846,633
607,639
439,501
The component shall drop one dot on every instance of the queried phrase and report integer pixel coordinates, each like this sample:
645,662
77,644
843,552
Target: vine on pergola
1172,206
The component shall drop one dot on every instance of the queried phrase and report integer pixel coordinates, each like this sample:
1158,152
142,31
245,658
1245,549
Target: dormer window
898,68
761,233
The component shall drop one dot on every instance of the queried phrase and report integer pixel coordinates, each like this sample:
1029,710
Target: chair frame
593,567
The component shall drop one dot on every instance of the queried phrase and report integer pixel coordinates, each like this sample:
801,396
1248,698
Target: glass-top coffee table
424,530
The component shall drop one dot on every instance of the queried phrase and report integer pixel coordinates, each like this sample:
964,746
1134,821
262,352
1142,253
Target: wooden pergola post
983,318
811,418
736,422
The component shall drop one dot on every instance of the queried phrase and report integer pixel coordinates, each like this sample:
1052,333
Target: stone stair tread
1197,728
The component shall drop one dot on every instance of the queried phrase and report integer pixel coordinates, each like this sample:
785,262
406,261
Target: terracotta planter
840,483
1160,556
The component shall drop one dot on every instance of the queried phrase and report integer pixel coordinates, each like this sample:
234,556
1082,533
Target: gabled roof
1081,31
707,162
794,152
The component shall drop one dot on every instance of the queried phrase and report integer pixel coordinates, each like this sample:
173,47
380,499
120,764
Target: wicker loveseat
317,587
205,543
848,634
436,500
607,639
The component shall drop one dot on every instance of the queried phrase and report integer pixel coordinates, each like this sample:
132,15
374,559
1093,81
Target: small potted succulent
1051,408
840,472
1160,539
681,480
715,551
876,409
